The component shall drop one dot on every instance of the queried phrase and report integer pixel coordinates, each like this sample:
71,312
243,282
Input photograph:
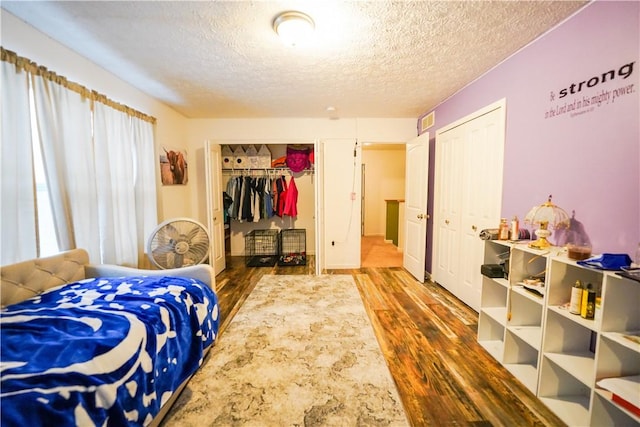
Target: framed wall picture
173,166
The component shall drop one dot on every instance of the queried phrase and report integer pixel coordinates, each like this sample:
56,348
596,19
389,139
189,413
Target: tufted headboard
28,278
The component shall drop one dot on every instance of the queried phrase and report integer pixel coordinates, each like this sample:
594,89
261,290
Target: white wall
170,129
384,179
341,211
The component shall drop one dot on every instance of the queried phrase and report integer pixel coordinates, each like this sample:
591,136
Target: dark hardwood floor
428,337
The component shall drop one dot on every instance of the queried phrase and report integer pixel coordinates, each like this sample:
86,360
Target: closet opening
383,189
264,195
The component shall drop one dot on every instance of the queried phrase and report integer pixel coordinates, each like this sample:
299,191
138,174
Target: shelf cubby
563,274
526,263
520,357
620,304
491,334
605,412
564,394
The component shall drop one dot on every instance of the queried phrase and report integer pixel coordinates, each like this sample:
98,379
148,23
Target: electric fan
178,242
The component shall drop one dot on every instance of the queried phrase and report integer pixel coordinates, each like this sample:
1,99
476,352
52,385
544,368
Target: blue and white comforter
106,351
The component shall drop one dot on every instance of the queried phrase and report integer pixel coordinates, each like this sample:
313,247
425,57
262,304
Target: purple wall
588,158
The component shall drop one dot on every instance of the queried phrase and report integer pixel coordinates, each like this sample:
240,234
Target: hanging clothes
291,199
247,206
252,198
281,190
258,198
267,206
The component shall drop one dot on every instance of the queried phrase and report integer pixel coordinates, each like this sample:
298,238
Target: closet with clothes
267,187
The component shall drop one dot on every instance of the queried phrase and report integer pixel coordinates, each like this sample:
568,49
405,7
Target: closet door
468,198
215,216
481,197
447,203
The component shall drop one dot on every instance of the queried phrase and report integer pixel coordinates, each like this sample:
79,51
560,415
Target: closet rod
253,171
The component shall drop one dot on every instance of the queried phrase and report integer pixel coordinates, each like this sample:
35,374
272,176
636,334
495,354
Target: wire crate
293,247
261,248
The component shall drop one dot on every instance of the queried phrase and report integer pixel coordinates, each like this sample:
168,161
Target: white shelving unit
492,321
557,355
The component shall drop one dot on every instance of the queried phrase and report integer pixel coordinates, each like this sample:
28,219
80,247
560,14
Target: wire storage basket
261,248
293,247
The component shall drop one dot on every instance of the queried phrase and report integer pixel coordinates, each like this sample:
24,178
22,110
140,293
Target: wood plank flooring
428,338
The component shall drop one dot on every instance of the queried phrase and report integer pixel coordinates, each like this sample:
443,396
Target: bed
84,344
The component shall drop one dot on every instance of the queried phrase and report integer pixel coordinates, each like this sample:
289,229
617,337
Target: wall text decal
585,100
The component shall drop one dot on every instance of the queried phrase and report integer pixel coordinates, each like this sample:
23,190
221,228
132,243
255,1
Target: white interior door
481,197
446,212
215,215
319,206
415,218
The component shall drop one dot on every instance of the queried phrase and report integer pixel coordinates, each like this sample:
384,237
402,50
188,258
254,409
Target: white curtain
18,224
145,183
114,154
63,118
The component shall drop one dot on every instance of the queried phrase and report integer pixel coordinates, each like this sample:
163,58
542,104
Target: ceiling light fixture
294,28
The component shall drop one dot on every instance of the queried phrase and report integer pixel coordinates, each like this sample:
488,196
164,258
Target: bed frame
26,279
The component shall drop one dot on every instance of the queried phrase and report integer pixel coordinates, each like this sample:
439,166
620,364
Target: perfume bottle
515,229
588,306
503,230
576,298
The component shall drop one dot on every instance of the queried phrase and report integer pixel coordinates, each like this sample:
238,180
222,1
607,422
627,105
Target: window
47,240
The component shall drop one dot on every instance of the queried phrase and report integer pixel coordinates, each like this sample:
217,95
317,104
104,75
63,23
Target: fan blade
163,249
199,246
194,233
178,261
169,231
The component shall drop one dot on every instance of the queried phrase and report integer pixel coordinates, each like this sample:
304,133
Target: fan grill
178,243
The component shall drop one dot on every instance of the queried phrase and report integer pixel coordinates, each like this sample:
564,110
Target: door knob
474,228
446,221
420,216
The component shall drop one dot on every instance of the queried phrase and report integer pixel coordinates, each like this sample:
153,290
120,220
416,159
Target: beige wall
384,179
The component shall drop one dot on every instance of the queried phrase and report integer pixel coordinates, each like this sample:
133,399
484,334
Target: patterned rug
299,352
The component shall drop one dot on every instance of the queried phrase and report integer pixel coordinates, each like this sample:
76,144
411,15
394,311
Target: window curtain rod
29,66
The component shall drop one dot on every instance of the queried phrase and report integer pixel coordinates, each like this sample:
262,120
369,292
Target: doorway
383,179
256,163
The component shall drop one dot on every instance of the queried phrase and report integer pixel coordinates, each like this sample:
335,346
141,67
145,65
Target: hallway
375,252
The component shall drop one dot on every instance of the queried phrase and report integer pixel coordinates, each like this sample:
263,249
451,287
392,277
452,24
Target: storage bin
239,158
264,157
293,247
252,157
227,157
261,248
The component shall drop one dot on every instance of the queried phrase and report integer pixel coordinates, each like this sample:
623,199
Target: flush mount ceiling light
294,28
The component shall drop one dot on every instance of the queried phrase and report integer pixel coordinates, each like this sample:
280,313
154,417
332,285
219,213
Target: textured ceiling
222,58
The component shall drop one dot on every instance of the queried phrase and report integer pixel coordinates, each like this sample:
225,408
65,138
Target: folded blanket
489,234
607,261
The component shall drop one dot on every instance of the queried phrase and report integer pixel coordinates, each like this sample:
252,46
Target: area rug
300,352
